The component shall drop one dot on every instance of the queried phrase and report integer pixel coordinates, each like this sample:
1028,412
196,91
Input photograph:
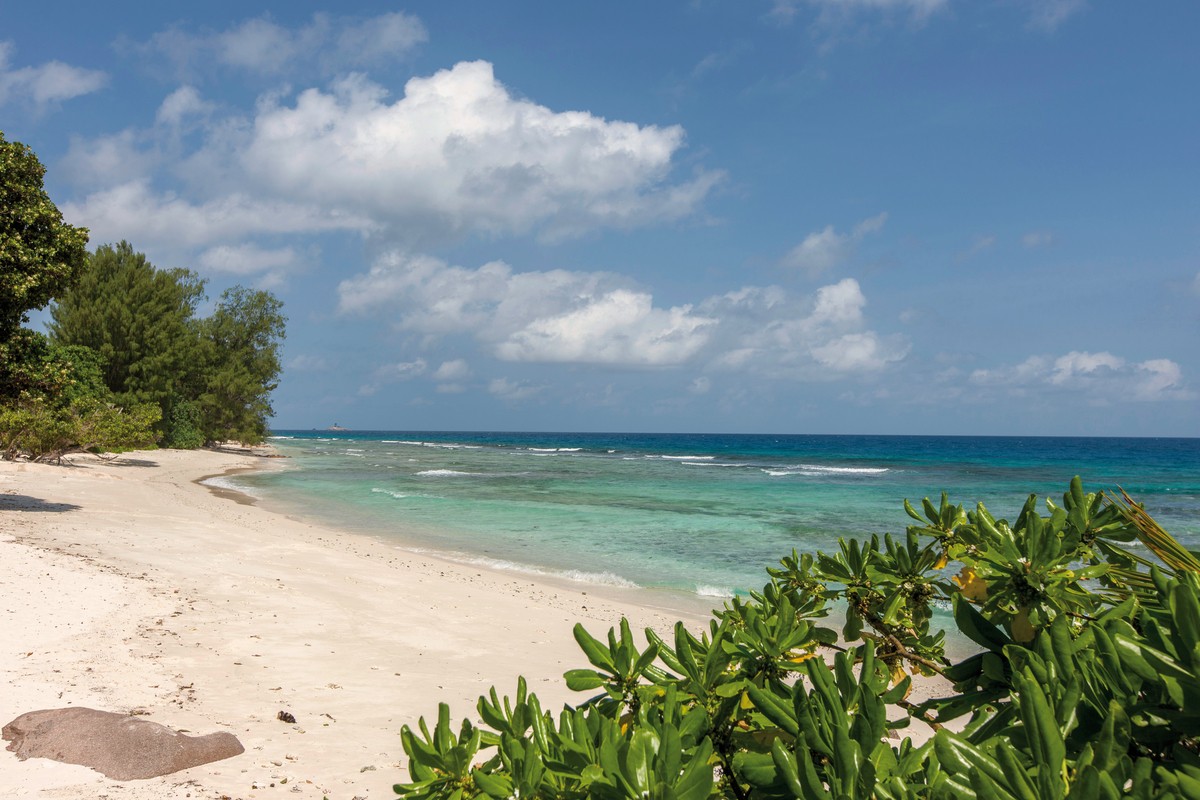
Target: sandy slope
127,586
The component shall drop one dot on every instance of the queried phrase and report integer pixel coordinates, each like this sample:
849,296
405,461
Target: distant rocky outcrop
122,747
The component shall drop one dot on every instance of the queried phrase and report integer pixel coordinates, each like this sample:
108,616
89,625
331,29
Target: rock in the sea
120,746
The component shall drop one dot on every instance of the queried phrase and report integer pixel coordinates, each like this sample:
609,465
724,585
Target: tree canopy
210,378
128,363
242,340
40,255
138,319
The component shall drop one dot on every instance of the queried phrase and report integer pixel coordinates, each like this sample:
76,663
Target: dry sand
128,587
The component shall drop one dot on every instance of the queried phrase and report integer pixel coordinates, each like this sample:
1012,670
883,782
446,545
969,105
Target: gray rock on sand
120,746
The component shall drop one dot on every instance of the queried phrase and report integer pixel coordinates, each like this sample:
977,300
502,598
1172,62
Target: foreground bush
1086,683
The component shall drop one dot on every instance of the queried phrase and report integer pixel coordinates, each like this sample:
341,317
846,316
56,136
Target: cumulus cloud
327,44
247,259
134,211
181,104
457,154
823,250
562,316
47,84
1098,376
621,327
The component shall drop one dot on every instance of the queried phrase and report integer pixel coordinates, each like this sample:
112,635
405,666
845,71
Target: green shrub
1086,683
183,426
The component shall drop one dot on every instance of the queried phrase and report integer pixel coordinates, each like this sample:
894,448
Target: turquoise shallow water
693,514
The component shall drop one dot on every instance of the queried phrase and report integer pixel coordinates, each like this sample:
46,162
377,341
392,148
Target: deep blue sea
696,514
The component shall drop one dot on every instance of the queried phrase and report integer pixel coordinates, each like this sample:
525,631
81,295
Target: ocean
689,515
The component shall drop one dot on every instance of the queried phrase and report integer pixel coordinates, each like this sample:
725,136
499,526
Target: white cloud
47,84
819,252
459,153
701,385
823,250
1047,15
555,316
180,104
1075,364
393,373
513,391
247,259
621,327
108,160
455,370
1158,378
133,211
856,352
604,318
308,363
1037,239
261,46
1096,376
786,10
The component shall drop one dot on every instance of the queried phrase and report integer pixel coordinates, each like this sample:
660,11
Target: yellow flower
941,562
973,587
1020,628
898,674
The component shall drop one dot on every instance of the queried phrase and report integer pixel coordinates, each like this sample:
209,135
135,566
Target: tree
242,339
40,255
52,397
211,379
140,320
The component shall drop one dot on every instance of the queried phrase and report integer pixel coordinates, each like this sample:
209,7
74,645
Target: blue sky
794,216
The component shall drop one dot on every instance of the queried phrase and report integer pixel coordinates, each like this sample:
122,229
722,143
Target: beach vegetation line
1084,681
127,364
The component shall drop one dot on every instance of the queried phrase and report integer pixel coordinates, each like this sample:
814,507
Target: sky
773,216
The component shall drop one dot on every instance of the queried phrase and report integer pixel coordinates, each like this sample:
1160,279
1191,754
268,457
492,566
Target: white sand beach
126,586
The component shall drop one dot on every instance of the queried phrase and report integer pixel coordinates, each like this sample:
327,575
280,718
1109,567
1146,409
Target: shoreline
131,586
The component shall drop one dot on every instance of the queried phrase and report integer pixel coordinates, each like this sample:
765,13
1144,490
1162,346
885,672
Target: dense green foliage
1086,683
210,378
139,320
52,399
39,254
128,363
242,342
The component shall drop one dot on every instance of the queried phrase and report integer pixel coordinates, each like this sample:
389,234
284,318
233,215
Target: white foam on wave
818,469
222,482
707,464
684,458
281,437
704,590
573,575
446,473
390,493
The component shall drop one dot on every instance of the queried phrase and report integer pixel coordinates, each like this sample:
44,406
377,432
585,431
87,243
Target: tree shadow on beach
20,502
120,461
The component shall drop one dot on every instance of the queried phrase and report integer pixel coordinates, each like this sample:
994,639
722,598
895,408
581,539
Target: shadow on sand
20,502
